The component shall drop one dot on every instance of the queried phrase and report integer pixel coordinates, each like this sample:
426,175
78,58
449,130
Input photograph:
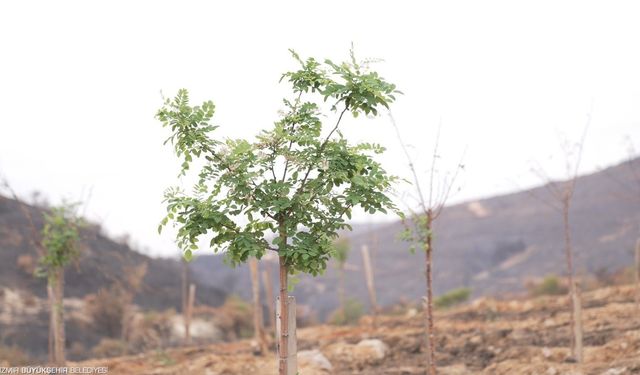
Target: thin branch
580,148
411,165
433,165
443,199
286,164
322,146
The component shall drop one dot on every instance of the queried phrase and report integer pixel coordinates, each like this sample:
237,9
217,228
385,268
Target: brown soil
484,337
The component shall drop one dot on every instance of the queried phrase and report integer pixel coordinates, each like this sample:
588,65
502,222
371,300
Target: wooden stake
578,334
185,286
58,317
52,303
189,313
369,277
288,354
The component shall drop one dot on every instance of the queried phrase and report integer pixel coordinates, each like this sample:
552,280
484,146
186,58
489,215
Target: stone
313,360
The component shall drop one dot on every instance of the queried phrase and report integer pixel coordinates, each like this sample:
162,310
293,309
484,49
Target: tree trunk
341,294
188,314
428,306
283,343
185,286
257,307
576,329
52,304
185,301
57,315
577,312
368,271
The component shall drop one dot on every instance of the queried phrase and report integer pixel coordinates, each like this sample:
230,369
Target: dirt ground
485,337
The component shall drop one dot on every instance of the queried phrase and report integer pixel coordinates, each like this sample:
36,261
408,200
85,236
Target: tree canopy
292,187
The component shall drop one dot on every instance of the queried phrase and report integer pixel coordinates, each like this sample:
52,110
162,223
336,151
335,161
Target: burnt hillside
491,245
102,262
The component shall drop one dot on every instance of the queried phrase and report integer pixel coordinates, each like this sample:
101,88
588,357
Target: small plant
452,298
350,314
164,359
108,347
549,286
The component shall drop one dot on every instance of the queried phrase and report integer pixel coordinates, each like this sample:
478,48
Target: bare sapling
420,233
562,193
188,314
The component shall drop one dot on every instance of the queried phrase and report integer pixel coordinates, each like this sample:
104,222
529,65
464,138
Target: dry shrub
234,318
152,330
622,276
27,264
13,356
30,300
109,348
402,307
551,285
78,351
106,309
452,298
353,311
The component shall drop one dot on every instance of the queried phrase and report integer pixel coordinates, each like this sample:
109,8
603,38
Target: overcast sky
80,83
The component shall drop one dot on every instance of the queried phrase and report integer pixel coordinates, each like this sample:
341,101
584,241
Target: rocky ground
484,337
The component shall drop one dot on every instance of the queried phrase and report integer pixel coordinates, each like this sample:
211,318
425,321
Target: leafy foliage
295,181
352,312
452,298
549,286
417,233
341,251
60,237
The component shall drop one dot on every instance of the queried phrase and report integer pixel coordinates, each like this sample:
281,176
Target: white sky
80,83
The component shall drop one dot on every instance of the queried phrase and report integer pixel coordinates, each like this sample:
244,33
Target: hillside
102,263
524,337
492,246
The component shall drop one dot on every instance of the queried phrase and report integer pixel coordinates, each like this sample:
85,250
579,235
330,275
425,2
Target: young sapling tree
60,237
562,193
292,188
430,205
